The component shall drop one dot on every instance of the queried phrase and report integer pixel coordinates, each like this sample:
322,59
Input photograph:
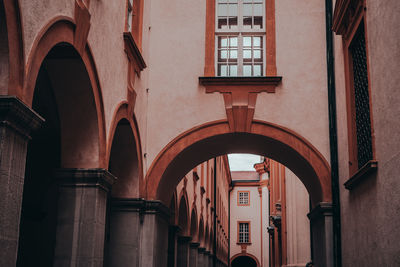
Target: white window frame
239,198
243,240
240,32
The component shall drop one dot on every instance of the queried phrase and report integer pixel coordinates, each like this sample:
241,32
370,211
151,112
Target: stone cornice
133,52
321,210
85,178
18,116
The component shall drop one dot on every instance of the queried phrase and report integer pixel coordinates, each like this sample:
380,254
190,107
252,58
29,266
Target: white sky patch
243,162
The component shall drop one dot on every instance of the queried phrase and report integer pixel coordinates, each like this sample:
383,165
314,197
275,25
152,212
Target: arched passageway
244,261
68,138
273,141
123,222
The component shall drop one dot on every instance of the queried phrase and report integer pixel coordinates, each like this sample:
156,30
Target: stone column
183,251
172,231
81,216
123,246
193,254
207,259
322,234
154,219
17,121
200,257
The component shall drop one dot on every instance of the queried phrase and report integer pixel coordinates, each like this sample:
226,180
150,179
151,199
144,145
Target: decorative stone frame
348,17
238,230
243,191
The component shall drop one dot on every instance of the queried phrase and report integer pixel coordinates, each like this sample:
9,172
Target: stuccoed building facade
106,105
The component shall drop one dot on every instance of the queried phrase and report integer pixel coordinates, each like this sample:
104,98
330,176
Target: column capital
127,204
322,209
156,207
194,244
85,178
184,239
18,116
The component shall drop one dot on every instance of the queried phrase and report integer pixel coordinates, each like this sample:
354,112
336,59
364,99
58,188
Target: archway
273,141
215,139
69,138
245,259
123,222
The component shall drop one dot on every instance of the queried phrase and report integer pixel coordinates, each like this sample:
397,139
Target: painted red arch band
214,138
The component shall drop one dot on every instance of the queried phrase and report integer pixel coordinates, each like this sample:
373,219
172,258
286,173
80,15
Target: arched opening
201,232
244,261
68,139
183,216
172,229
122,228
4,51
265,139
193,224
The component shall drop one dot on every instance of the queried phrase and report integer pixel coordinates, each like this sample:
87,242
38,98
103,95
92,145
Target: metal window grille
243,232
361,97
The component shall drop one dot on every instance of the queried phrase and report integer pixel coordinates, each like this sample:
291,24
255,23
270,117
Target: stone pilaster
81,216
122,248
200,258
322,234
193,254
154,219
17,121
183,251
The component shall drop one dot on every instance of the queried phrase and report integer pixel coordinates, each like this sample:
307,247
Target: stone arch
193,224
200,236
173,207
245,255
58,35
215,138
11,49
183,213
124,154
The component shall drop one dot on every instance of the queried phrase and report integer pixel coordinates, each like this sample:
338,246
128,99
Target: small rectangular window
243,198
244,232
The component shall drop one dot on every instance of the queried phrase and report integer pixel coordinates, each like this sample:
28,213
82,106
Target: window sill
133,52
243,243
269,82
370,167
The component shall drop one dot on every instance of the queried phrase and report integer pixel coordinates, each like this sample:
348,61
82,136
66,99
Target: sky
243,162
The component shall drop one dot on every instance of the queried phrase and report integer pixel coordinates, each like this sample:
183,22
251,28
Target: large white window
243,198
244,232
240,34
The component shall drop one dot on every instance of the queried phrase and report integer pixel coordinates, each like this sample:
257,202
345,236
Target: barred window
244,232
240,37
358,54
243,197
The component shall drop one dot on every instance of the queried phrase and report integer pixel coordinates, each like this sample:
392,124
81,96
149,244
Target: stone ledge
322,209
364,172
18,116
85,178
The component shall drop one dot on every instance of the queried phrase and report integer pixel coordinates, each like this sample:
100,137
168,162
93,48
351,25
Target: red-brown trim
317,182
209,67
122,112
240,96
243,191
82,22
61,30
15,48
133,52
240,243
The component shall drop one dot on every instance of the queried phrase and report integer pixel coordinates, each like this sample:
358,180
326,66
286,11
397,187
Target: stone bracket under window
364,172
240,95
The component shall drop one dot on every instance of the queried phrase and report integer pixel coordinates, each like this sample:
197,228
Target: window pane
257,70
247,22
233,10
258,9
233,42
222,10
233,54
223,70
247,53
223,41
222,23
222,1
233,70
246,70
258,23
247,41
257,54
256,41
247,10
233,21
223,54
